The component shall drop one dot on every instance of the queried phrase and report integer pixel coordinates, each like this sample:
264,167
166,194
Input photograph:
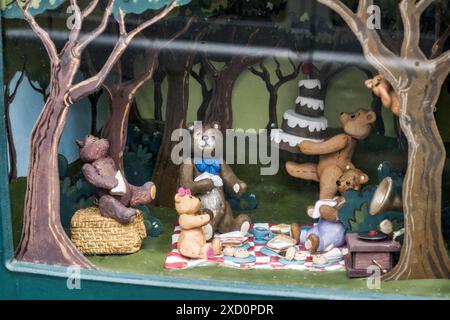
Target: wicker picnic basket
94,234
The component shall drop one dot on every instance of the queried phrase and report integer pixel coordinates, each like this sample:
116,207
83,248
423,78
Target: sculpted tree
122,94
417,80
43,238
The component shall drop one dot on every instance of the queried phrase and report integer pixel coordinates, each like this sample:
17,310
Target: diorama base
281,199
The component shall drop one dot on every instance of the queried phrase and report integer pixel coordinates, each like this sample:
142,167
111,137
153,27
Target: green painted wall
250,100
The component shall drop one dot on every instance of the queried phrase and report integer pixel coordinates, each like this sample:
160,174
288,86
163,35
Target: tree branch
89,37
41,33
89,8
421,5
151,58
153,20
443,62
374,49
438,46
75,31
11,97
410,15
92,84
209,67
179,32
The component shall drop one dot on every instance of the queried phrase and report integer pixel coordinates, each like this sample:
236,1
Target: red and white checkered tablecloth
175,260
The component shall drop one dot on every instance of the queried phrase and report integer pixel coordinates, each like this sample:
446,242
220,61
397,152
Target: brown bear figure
329,230
115,193
351,179
383,89
192,241
335,153
207,177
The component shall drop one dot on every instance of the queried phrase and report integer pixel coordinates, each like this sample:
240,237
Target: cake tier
309,106
311,89
288,142
304,126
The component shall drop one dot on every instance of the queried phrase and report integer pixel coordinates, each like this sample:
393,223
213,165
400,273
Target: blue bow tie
208,165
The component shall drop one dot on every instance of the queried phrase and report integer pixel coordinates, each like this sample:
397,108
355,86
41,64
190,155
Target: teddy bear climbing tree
43,238
417,80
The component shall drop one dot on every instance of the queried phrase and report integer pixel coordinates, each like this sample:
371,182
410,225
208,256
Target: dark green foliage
355,213
140,154
63,166
76,193
247,202
152,225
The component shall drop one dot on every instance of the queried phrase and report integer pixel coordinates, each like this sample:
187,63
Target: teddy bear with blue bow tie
207,176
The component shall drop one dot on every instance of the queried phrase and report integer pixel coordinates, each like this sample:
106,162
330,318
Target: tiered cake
306,122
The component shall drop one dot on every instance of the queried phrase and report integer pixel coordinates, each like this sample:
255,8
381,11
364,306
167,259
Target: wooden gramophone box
365,253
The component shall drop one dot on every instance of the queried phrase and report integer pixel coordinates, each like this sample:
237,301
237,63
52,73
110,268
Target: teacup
261,233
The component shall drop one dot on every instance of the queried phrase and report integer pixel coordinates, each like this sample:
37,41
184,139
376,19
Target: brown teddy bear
115,193
207,177
352,178
383,89
335,153
192,242
329,231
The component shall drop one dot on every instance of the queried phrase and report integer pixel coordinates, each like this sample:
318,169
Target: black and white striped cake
306,122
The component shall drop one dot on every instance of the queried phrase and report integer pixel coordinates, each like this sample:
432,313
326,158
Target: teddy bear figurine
383,89
329,232
207,177
336,153
115,193
192,241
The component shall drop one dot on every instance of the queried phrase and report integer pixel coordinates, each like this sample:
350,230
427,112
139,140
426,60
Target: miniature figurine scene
301,144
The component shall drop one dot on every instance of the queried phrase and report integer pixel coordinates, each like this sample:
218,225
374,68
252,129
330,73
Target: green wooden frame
20,280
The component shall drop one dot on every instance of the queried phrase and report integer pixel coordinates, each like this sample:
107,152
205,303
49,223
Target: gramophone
386,198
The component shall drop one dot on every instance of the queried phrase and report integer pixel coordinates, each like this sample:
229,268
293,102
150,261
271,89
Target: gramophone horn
386,198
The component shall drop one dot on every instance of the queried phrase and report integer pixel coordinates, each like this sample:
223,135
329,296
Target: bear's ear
191,127
371,117
216,125
364,178
79,143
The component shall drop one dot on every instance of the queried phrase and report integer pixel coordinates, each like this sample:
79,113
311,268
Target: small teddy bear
115,193
192,242
329,232
383,89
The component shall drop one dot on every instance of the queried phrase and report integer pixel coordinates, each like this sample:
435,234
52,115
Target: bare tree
273,88
43,238
219,108
417,79
9,96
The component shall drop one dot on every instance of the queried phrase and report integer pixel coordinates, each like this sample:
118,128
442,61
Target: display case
224,149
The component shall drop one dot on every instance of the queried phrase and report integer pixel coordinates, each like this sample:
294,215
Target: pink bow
184,192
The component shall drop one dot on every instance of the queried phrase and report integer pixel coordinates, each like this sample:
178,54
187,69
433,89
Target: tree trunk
423,255
165,175
220,108
43,238
93,99
273,117
158,79
11,146
115,130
